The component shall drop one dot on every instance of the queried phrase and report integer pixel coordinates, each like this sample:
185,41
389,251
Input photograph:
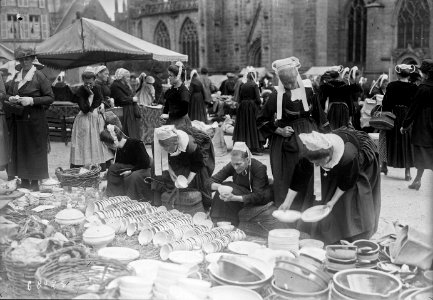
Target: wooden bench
60,127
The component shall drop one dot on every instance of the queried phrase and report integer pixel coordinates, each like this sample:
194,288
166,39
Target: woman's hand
135,99
25,101
402,130
285,206
126,173
285,132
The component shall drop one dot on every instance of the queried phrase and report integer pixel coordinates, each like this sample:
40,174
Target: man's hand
285,132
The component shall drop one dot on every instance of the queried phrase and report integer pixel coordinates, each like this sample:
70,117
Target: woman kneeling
131,166
250,188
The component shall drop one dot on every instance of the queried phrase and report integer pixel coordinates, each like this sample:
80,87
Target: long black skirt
197,108
246,127
130,123
288,166
356,214
398,146
132,185
423,157
338,115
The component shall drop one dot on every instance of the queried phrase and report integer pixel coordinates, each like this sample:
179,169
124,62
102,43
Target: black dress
197,106
133,156
177,106
246,127
420,116
289,169
356,93
104,89
356,213
123,95
397,99
199,158
253,187
340,107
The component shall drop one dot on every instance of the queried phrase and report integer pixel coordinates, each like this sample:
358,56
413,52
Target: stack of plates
147,268
284,239
122,254
191,289
168,275
134,287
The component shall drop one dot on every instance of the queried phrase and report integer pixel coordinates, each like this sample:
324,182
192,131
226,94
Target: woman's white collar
338,150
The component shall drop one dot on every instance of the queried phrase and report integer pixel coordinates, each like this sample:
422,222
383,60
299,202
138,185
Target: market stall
59,244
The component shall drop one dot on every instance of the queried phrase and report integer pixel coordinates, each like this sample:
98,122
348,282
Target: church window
413,24
357,29
161,35
189,42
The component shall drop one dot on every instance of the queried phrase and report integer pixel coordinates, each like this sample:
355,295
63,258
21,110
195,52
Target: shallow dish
341,252
123,254
186,257
243,247
288,216
213,257
315,213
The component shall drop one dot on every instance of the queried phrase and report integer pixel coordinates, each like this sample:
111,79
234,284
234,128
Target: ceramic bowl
367,250
367,284
320,295
224,189
99,236
70,216
287,216
341,252
123,254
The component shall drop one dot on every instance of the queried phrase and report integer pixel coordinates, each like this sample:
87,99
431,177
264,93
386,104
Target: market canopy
6,53
87,42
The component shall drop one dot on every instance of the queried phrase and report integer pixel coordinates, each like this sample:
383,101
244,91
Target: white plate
288,216
315,213
186,257
243,247
233,293
119,253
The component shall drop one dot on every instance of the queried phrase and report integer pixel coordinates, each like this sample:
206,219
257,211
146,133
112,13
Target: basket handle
69,250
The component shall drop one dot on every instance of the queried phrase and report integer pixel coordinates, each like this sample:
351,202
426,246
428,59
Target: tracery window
189,42
413,25
161,35
357,29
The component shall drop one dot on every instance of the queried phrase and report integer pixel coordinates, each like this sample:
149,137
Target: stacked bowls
134,287
189,289
284,239
168,275
365,284
340,258
296,279
240,271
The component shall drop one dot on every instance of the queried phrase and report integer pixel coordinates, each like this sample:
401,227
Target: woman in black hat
28,96
420,117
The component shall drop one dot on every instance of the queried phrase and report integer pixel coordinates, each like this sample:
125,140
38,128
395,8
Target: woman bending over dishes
177,98
250,189
187,152
350,177
131,166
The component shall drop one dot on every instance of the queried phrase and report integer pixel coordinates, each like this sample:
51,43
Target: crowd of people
303,122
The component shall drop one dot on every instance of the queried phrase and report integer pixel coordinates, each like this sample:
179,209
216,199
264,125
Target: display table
150,119
64,109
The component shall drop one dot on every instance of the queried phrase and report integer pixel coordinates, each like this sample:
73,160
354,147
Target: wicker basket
20,274
78,276
71,177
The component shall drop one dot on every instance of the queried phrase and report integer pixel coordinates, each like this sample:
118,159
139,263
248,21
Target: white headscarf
242,147
161,156
352,73
297,94
100,69
400,67
252,70
122,73
379,81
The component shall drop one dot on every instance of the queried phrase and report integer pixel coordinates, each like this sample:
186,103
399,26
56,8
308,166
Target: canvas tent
87,42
